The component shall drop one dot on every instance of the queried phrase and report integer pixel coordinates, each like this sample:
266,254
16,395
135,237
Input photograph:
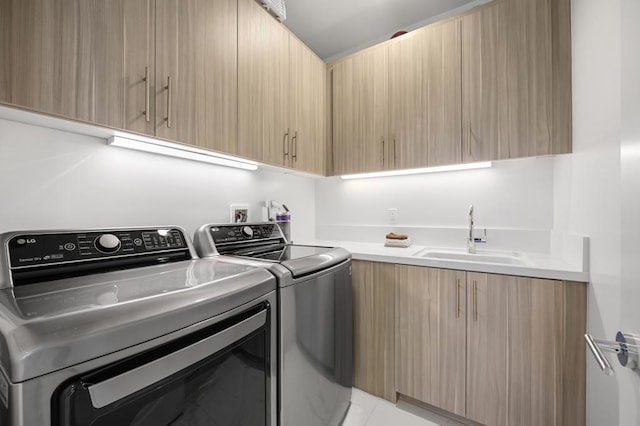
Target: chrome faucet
471,239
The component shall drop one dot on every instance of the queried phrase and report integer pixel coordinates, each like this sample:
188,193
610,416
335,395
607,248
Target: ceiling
332,28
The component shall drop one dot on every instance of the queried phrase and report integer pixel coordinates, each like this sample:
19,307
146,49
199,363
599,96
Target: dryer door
218,375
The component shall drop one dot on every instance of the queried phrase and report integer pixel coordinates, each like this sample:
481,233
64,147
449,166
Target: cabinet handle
147,87
468,134
382,139
475,300
168,88
394,152
458,298
285,144
294,146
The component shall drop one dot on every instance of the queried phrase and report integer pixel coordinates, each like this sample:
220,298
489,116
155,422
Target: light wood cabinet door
487,342
484,75
196,72
431,336
373,328
360,92
425,72
84,60
539,77
308,114
263,85
522,366
516,80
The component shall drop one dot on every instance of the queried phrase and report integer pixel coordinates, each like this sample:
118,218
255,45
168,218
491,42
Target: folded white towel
397,243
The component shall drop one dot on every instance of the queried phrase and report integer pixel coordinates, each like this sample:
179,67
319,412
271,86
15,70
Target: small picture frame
239,213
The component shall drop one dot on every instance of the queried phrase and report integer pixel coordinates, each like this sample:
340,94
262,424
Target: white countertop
536,265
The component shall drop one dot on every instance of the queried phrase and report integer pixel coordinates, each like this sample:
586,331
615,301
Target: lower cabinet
430,336
373,328
496,349
526,358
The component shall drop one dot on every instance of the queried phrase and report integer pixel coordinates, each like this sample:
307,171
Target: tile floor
368,410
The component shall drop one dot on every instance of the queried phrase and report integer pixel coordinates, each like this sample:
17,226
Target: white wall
50,179
514,194
630,169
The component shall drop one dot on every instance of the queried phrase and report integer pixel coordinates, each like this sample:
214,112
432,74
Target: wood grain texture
425,74
308,114
573,360
373,322
536,336
484,72
529,78
360,115
487,348
80,59
523,367
263,81
196,47
431,336
561,118
517,80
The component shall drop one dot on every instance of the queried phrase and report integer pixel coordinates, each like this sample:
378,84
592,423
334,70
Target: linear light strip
452,168
181,151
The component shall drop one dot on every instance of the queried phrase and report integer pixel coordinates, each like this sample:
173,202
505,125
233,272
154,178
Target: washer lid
304,260
52,325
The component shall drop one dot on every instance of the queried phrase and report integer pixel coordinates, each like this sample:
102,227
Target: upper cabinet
516,80
282,94
360,105
88,60
397,105
424,97
263,78
196,72
225,75
165,68
492,84
308,109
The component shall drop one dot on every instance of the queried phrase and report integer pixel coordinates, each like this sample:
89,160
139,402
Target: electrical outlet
393,216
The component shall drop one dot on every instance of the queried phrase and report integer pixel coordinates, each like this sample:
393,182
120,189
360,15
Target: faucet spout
471,243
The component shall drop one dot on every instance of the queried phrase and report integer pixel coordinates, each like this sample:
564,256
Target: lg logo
22,241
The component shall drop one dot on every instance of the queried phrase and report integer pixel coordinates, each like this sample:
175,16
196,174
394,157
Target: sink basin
504,258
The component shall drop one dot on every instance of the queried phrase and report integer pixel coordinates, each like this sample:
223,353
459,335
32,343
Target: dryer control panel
244,232
42,249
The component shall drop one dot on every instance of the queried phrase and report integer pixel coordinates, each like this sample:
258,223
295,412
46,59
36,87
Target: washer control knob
107,243
247,231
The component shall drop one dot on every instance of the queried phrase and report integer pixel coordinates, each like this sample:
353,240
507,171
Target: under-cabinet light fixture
181,151
438,169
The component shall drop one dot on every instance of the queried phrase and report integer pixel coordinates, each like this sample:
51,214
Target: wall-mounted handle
382,139
625,346
285,144
147,94
294,146
458,298
602,361
168,89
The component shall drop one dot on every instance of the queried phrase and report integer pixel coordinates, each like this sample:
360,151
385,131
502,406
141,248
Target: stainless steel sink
504,258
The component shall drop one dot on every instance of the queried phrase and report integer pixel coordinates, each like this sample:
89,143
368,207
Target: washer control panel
32,249
244,232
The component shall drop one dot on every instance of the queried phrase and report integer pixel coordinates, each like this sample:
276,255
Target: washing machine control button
107,243
247,232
